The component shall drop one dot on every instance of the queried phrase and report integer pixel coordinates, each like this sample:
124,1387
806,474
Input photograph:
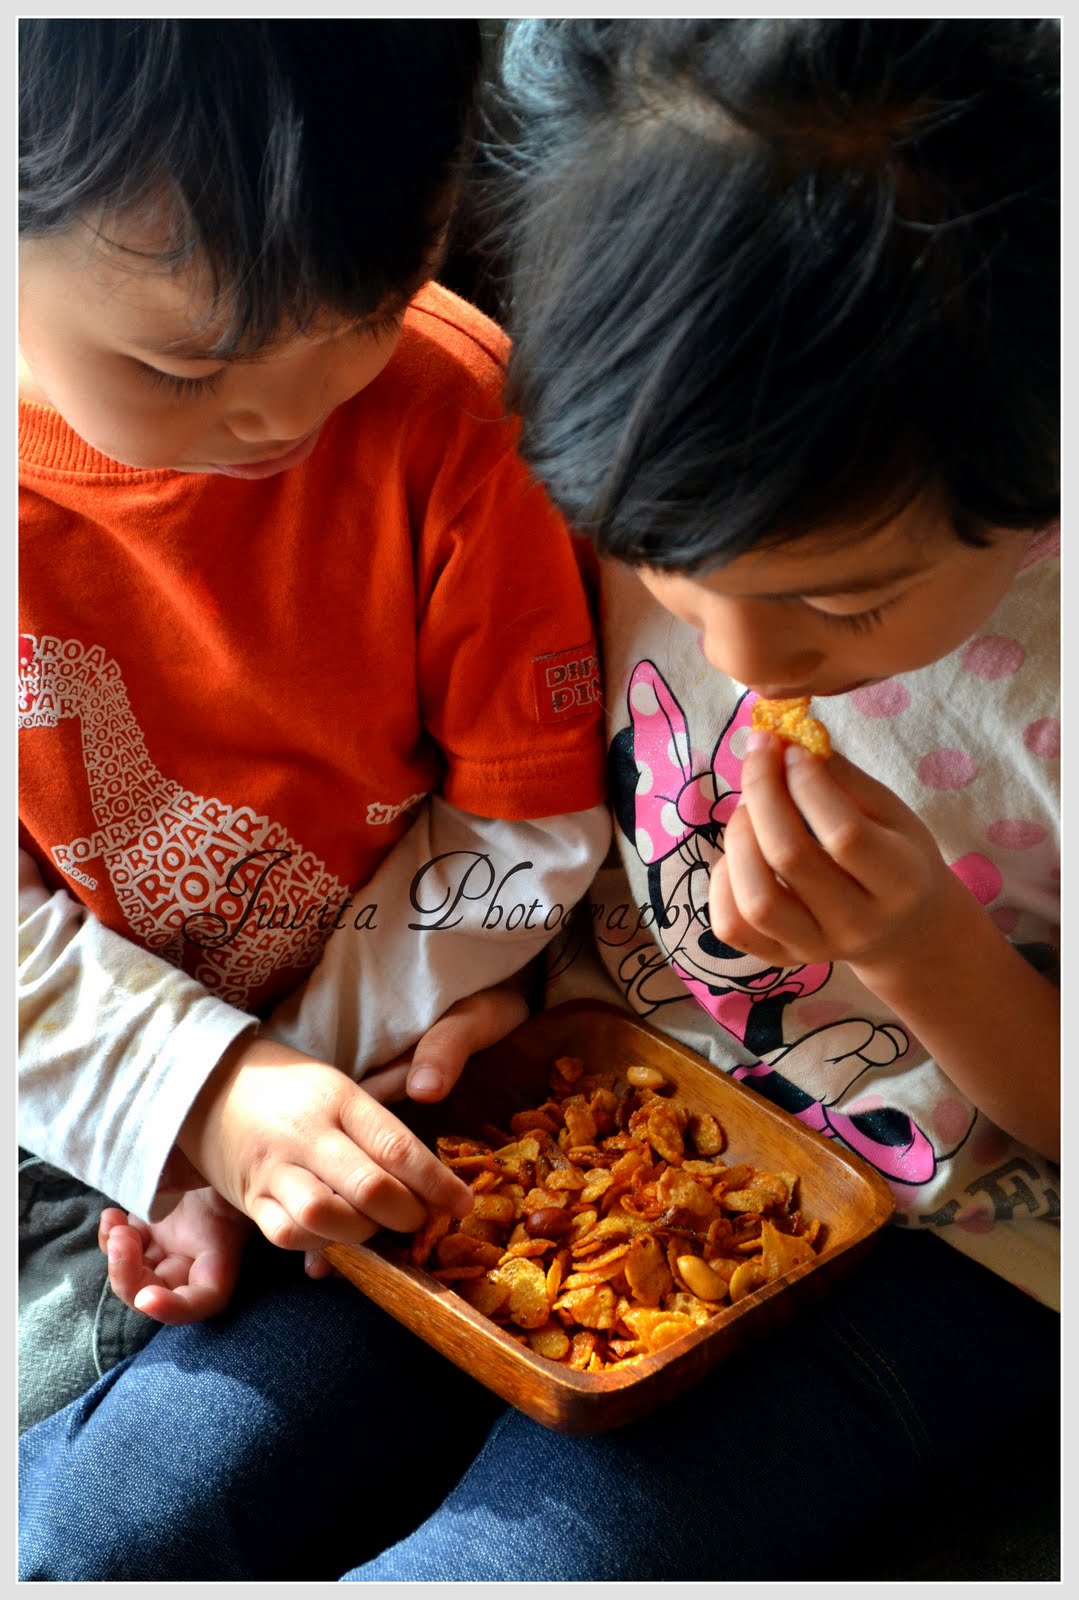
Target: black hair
310,164
767,276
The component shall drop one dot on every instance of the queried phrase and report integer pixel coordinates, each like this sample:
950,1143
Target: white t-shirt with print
970,743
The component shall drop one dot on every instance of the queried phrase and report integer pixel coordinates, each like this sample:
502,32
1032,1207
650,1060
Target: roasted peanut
700,1279
749,1276
548,1222
645,1078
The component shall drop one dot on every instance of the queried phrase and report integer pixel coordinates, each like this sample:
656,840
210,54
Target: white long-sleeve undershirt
116,1043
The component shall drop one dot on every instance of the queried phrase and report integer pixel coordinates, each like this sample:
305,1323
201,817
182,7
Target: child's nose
287,400
760,651
277,417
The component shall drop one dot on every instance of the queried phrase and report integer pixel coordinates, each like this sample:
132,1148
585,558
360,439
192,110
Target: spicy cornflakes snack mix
606,1224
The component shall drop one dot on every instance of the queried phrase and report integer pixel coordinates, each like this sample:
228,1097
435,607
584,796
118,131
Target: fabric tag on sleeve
566,683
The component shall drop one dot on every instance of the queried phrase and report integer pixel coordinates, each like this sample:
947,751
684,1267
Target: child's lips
814,694
848,688
280,463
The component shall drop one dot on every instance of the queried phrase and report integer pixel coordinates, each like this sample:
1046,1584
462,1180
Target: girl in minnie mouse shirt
802,393
964,756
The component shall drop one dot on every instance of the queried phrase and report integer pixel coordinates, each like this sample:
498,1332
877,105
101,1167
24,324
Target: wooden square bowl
850,1199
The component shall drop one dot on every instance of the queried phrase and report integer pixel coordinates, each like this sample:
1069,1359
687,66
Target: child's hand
866,889
431,1068
309,1155
182,1269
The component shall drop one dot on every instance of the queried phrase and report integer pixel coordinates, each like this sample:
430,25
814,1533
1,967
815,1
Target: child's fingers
170,1270
728,924
780,824
393,1159
388,1083
190,1302
430,1071
472,1024
375,1178
213,1275
131,1271
316,1266
762,901
154,1302
301,1212
827,829
275,1223
113,1217
127,1268
858,841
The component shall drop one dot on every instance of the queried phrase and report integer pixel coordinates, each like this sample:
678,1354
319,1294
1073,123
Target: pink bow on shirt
672,802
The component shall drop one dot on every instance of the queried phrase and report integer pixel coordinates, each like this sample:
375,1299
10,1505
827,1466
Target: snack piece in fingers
790,719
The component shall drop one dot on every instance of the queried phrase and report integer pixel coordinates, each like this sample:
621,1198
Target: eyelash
858,621
379,323
184,386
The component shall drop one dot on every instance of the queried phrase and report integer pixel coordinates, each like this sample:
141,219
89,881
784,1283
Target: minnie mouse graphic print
971,743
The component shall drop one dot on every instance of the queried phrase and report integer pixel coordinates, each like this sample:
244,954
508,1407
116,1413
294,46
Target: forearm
986,1016
114,1046
439,933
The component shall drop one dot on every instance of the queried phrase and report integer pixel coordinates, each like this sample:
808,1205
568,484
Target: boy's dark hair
767,276
311,164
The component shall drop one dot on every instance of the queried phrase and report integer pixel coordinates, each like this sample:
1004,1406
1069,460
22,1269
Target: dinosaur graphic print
184,867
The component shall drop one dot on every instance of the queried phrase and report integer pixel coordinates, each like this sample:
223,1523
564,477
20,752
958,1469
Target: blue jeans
305,1435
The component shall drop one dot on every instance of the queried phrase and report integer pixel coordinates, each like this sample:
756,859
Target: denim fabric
293,1435
305,1435
915,1364
72,1328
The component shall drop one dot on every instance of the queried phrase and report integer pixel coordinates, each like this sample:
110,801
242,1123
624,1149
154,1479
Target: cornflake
790,719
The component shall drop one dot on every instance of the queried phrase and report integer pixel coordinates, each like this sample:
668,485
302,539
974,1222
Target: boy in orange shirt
305,662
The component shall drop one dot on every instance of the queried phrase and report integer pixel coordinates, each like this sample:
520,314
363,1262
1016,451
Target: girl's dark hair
766,276
311,164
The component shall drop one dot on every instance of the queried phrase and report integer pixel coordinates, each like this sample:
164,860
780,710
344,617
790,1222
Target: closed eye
858,621
183,386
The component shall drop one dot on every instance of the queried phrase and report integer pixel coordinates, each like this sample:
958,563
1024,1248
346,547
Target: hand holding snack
823,863
308,1154
429,1070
